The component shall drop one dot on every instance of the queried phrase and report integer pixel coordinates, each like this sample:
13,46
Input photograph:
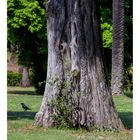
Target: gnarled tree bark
76,23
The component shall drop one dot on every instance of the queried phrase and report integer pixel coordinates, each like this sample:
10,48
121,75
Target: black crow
25,107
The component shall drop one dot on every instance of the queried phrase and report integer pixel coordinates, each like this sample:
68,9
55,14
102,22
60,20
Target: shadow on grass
127,119
20,115
22,92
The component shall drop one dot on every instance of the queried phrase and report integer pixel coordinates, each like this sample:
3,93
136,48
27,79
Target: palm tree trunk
118,47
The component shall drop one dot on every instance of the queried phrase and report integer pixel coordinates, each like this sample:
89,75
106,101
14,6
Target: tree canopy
27,33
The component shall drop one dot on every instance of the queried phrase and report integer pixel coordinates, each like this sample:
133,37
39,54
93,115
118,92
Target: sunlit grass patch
20,123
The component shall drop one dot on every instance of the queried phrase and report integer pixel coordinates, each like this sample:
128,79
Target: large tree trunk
56,20
25,82
75,22
118,47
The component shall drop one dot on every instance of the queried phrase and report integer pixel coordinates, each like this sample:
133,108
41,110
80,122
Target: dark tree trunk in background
20,69
12,55
25,82
118,47
75,24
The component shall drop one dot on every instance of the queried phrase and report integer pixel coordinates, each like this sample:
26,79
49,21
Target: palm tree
118,47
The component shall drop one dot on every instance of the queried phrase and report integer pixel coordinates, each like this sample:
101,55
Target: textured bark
25,82
118,47
77,25
56,20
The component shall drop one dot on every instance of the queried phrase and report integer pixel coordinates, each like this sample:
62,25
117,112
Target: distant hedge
13,79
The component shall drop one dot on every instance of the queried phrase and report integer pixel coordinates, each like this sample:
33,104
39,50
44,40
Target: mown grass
124,108
20,123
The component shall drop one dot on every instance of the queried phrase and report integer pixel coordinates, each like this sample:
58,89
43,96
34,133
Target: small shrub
128,93
128,82
63,106
13,79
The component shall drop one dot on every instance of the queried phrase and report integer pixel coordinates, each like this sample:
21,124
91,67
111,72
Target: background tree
27,33
106,26
77,24
117,78
25,82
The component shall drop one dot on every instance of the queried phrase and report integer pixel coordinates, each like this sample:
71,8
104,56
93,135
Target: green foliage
128,93
106,15
27,32
107,34
106,27
128,81
106,23
13,79
128,48
25,13
63,106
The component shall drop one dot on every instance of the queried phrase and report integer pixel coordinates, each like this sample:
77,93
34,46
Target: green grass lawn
20,123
